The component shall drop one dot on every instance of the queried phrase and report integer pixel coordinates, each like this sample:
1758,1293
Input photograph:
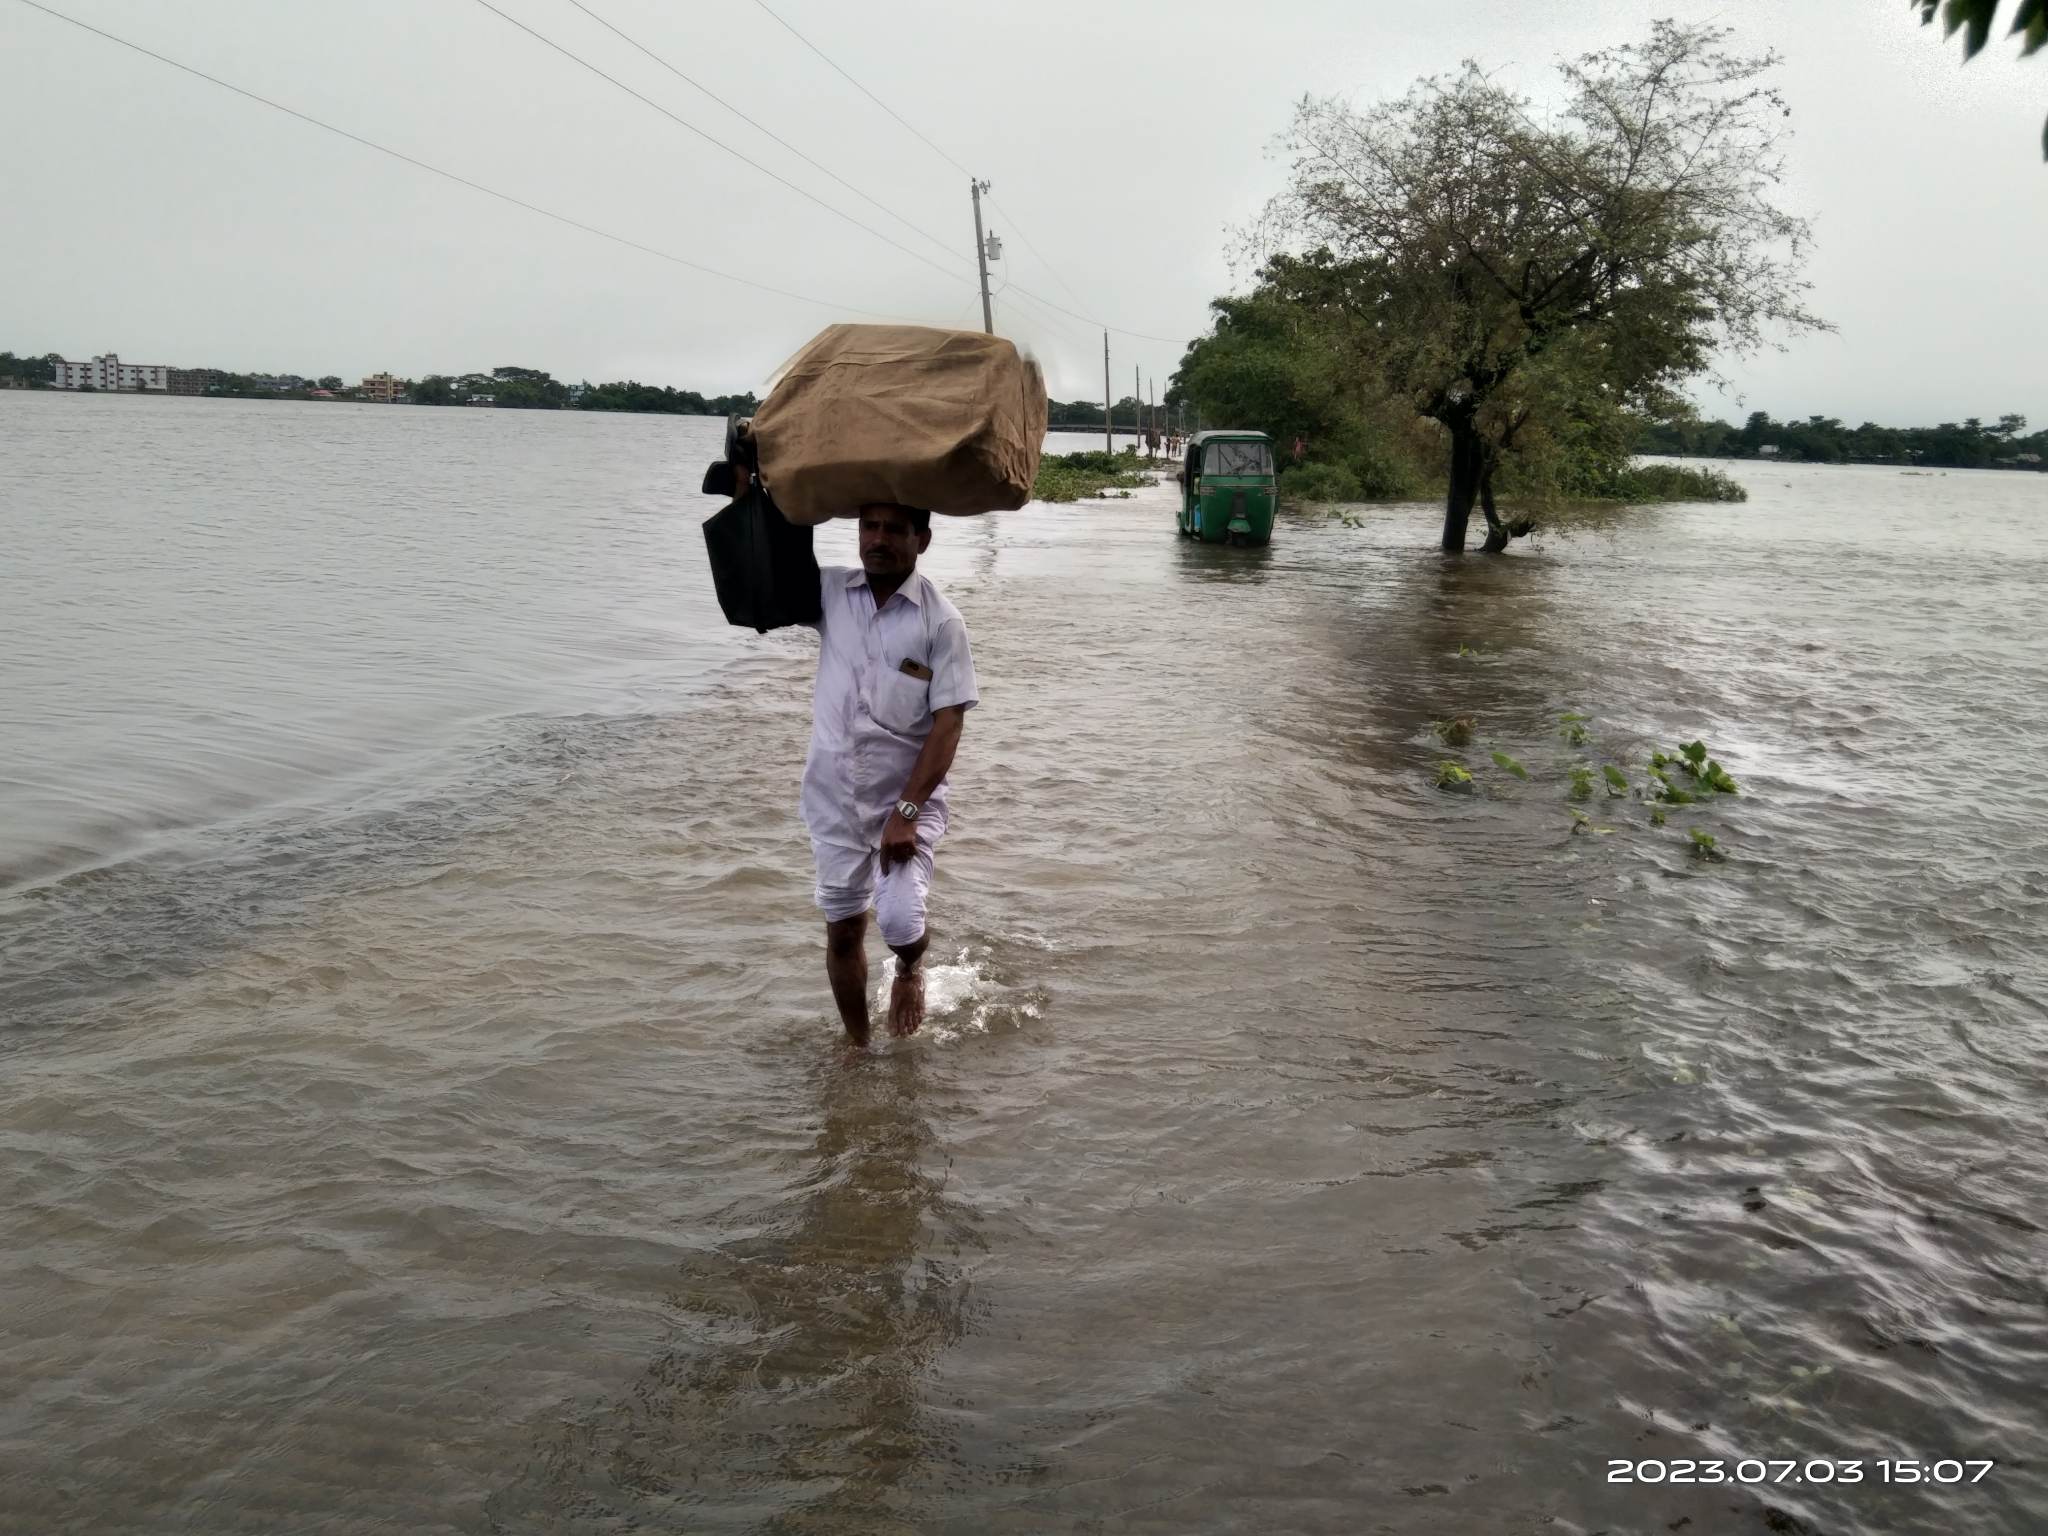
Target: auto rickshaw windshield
1242,458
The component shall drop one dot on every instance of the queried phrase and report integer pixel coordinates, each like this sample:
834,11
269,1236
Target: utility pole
1108,432
988,321
1138,401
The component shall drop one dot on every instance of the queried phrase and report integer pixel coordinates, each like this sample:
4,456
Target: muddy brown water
420,1106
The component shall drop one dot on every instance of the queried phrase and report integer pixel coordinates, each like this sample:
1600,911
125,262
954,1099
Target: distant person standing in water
895,682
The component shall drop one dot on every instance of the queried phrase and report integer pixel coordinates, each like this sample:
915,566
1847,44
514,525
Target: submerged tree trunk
1497,532
1468,462
1496,535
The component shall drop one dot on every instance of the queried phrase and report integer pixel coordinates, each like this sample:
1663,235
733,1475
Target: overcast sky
153,214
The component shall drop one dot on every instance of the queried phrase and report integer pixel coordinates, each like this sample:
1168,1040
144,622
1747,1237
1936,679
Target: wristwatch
908,809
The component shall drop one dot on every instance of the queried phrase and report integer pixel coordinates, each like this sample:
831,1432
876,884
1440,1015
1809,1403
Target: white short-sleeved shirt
869,718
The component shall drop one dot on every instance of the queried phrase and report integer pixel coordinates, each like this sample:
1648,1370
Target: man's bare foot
906,1002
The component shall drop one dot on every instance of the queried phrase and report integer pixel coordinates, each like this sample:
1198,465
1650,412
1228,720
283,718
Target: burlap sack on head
953,421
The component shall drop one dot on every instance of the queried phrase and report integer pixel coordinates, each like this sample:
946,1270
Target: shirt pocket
903,703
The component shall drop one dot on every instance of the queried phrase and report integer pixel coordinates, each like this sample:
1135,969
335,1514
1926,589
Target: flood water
421,1105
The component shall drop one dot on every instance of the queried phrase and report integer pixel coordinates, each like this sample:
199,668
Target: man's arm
934,762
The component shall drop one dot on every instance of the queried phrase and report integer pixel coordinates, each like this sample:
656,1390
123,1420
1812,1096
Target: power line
435,170
1042,316
719,143
762,128
1171,341
1030,246
871,96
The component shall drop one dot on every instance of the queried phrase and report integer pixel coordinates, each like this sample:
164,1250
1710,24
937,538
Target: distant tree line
36,370
511,388
1970,444
534,389
631,395
1088,413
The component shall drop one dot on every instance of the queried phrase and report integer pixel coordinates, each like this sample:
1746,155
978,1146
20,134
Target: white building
110,373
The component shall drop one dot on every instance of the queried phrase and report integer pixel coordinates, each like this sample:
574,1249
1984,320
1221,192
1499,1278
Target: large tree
1506,271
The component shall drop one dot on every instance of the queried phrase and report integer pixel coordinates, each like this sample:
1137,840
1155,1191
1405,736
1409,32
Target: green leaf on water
1503,761
1656,815
1617,781
1695,753
1450,775
1582,783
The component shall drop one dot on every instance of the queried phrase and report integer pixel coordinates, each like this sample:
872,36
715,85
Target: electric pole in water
988,322
1138,401
1108,430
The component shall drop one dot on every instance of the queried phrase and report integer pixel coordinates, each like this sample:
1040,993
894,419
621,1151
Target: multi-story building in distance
110,373
381,387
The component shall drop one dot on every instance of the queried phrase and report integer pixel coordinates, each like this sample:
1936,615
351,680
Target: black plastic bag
761,563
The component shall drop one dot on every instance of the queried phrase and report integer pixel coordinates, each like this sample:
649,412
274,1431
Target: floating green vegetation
1703,775
1078,476
1471,651
1685,777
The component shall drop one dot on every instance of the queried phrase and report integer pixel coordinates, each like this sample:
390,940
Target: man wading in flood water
895,682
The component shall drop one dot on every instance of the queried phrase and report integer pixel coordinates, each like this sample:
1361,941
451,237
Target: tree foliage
1974,19
36,370
1524,282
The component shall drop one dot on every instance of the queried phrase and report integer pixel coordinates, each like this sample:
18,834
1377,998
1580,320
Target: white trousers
847,886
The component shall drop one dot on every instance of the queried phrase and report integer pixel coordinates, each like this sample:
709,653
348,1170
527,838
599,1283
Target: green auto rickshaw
1227,490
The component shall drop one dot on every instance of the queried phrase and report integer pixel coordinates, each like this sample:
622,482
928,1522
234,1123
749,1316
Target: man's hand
899,842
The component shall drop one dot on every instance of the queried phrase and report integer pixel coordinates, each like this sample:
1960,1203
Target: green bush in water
1672,482
1323,483
1097,459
